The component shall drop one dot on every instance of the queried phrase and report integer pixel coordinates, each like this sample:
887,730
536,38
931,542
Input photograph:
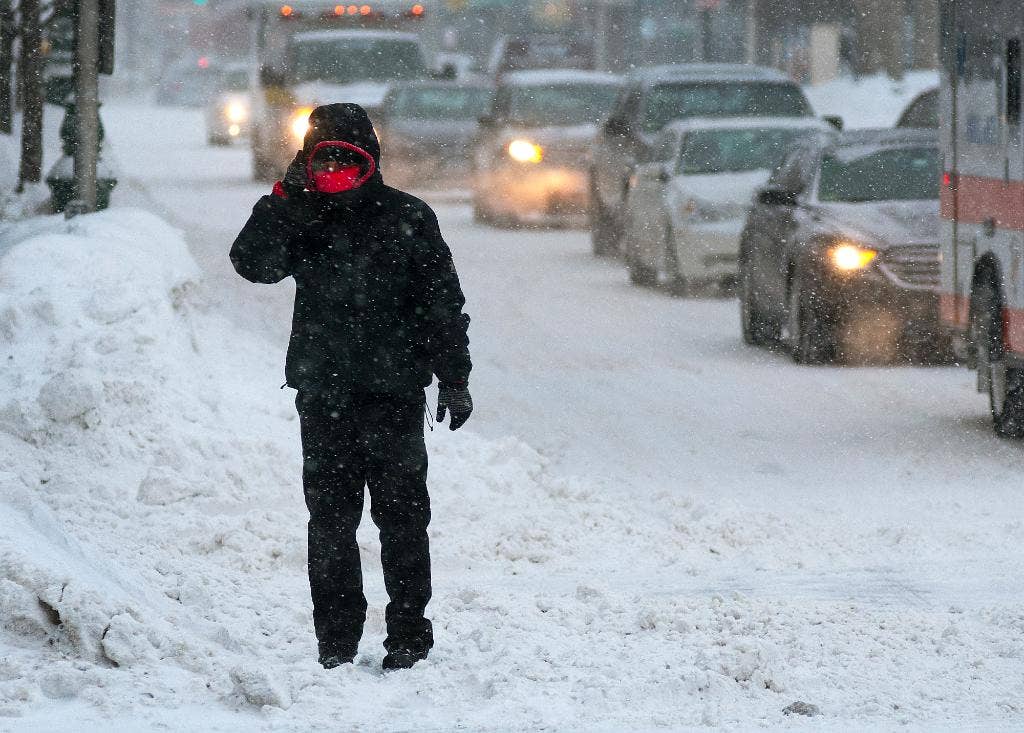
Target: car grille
915,266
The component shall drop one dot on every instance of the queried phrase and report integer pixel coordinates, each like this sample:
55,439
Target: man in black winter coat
378,313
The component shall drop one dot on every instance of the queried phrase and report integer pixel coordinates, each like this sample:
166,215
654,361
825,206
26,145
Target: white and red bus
982,197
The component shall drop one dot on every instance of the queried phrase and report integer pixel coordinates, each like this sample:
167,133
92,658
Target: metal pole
87,99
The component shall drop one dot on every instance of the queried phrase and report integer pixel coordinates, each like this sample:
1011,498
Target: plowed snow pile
152,553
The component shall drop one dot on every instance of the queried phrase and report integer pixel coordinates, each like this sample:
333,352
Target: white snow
871,101
648,526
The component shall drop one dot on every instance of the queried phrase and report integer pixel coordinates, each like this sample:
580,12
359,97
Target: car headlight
236,112
849,257
300,122
524,151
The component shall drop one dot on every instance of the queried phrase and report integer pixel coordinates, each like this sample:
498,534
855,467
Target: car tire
641,274
1004,385
757,330
604,236
809,340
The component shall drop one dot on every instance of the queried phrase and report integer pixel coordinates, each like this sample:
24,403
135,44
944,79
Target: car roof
346,33
887,136
470,82
739,123
558,76
707,72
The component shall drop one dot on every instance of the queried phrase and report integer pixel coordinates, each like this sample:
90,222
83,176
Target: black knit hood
345,121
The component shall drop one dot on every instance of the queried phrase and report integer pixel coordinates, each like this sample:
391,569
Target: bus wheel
1005,385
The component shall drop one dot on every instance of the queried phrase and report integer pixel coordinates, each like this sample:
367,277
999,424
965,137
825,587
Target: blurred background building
813,40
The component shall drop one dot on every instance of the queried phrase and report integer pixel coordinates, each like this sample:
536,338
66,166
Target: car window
673,101
560,104
731,151
922,112
369,59
439,103
891,174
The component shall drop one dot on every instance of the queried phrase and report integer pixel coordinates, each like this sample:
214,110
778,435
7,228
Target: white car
685,210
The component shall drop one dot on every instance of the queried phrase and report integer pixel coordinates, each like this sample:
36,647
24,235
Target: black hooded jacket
378,305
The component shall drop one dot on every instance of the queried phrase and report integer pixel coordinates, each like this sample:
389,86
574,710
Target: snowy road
708,534
641,393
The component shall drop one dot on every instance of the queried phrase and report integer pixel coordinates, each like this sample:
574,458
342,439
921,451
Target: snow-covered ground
645,525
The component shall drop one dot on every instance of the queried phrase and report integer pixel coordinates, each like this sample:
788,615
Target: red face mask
336,181
333,178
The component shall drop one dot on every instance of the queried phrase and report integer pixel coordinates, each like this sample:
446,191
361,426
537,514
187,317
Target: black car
654,97
427,129
839,253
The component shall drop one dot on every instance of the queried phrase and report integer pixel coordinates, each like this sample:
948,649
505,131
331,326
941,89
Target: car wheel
641,274
757,330
604,237
809,340
1005,385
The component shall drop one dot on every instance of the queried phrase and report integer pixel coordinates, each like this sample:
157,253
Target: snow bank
871,101
152,552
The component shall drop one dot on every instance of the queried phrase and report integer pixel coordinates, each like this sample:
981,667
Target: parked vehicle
229,111
982,291
922,112
685,210
531,156
187,83
840,249
656,96
427,129
310,54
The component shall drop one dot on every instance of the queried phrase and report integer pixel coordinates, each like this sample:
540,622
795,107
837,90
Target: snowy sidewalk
152,554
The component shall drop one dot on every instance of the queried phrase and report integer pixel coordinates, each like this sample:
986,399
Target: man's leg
333,478
400,507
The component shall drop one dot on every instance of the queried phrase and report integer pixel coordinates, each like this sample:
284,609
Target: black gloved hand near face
454,397
294,181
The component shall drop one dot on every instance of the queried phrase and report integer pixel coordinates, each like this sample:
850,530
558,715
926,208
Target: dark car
840,251
656,96
922,112
427,129
531,156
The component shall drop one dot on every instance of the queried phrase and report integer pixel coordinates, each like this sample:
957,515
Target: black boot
404,658
336,655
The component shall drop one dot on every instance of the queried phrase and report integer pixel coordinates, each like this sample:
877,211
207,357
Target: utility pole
7,33
87,102
31,81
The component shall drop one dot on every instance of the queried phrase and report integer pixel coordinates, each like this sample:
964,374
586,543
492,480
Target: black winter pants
350,441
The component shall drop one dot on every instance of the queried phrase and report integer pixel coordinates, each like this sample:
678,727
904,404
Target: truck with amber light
982,198
309,53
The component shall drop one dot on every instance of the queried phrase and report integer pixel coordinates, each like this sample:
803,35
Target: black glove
294,181
454,397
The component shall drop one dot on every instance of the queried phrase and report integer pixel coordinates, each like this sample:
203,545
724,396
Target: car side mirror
617,127
487,120
835,120
777,197
663,174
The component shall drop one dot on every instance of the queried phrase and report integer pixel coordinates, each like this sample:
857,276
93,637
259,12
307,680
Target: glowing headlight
300,122
850,257
523,151
236,112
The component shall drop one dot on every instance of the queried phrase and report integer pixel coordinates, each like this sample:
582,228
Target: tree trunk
7,31
31,83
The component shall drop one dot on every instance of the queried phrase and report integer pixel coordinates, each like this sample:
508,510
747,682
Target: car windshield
729,151
352,59
666,102
560,104
440,103
235,81
893,174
